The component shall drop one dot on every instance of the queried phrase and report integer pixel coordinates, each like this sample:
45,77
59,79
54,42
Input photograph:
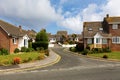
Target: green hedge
40,44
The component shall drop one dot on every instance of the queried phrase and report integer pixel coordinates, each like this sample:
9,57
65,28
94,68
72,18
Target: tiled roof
92,28
113,19
12,30
62,33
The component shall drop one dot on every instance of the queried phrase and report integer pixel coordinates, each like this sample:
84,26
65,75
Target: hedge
40,44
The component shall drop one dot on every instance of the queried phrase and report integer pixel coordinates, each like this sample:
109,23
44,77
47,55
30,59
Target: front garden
35,51
24,57
105,53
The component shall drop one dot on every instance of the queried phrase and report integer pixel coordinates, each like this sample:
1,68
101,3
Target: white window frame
116,40
89,41
115,26
97,40
90,29
101,29
14,40
25,42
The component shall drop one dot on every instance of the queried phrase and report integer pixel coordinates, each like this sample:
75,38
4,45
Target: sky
56,15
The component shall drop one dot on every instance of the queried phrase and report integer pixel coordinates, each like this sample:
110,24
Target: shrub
80,47
85,52
23,49
105,56
30,44
27,60
47,52
5,62
41,56
4,51
106,49
73,49
17,60
40,44
16,50
29,49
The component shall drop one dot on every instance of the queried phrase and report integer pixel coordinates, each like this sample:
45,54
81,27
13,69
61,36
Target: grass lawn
112,55
24,57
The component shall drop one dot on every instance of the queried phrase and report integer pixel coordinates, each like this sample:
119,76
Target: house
12,37
102,34
61,36
32,35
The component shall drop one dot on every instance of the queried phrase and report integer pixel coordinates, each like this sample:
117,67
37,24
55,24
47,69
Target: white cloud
112,7
63,1
30,12
92,12
41,12
72,23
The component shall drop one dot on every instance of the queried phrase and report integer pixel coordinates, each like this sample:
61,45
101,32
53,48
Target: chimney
20,28
107,16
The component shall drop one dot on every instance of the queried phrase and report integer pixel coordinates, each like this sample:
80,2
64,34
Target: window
114,26
104,41
14,40
97,40
25,42
89,29
89,41
116,40
101,29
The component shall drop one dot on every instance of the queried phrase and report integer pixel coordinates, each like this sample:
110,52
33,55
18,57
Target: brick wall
12,45
4,40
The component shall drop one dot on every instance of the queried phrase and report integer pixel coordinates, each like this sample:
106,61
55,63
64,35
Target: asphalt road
71,67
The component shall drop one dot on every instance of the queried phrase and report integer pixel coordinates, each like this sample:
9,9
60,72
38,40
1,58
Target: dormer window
90,29
114,26
101,29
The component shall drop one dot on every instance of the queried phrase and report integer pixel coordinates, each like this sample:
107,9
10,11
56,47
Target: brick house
102,34
12,37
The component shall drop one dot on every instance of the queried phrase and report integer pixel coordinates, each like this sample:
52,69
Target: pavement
48,61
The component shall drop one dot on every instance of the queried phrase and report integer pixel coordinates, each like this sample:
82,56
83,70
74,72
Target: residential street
71,67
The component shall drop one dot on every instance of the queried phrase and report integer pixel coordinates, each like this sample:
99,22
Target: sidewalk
50,60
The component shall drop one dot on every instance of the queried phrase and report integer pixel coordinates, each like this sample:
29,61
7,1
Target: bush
73,49
16,50
85,52
17,60
47,52
41,56
23,49
40,44
5,62
4,51
27,60
29,49
106,50
80,47
105,56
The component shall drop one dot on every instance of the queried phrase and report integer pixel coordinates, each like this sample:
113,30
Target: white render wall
21,41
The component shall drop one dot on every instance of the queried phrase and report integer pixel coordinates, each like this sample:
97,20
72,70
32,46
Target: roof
61,32
92,28
112,20
12,30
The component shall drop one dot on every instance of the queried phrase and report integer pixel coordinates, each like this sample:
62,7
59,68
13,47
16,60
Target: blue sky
55,15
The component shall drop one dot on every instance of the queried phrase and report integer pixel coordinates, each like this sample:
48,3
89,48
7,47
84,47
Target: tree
41,40
74,36
42,36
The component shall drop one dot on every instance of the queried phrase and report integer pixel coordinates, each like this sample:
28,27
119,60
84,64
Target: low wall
68,45
51,45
